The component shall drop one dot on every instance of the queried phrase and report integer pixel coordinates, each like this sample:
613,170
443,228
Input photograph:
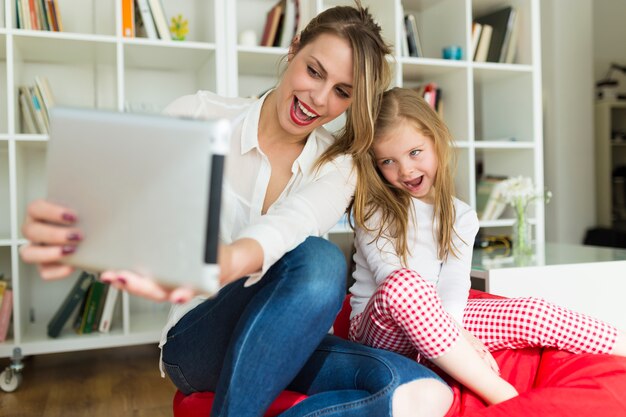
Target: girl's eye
312,71
415,152
385,162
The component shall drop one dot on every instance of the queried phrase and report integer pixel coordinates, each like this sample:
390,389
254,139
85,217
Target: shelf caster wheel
11,377
9,380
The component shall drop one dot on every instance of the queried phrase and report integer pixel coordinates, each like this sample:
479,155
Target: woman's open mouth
302,114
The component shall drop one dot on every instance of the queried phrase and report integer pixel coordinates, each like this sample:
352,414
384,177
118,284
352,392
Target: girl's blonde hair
375,194
371,73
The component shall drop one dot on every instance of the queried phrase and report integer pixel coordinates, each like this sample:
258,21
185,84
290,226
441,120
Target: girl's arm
454,279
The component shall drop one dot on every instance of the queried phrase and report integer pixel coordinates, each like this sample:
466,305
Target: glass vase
522,235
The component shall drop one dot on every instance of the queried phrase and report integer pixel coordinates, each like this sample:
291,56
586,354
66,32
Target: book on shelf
107,311
27,117
70,303
144,23
128,18
94,297
160,19
502,21
412,35
6,312
272,21
482,50
489,202
288,25
477,28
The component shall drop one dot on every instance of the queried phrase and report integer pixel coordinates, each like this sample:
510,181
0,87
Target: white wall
568,80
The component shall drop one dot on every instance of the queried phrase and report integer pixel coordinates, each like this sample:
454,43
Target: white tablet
147,190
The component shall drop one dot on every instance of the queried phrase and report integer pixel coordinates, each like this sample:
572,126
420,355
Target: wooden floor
98,383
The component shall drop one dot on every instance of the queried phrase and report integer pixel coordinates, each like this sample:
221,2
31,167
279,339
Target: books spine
146,18
160,20
91,309
109,308
6,310
70,303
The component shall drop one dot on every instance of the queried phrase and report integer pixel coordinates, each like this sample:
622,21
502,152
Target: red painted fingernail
74,237
122,280
68,217
66,250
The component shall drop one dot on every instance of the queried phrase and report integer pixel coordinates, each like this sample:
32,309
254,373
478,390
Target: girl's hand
52,236
482,350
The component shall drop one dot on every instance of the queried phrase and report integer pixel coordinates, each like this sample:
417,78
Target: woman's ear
294,47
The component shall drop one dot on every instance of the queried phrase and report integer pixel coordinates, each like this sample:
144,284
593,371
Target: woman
287,179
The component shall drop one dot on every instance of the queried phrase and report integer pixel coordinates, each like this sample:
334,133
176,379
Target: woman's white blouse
311,204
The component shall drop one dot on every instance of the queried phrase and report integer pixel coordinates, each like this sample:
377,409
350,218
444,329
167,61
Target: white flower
520,191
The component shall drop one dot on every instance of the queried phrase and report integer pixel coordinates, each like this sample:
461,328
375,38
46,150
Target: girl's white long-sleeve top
376,260
311,204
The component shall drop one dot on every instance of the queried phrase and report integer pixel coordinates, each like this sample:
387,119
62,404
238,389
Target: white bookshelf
91,65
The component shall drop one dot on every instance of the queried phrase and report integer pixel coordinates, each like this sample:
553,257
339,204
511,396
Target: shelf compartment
5,206
200,15
154,76
503,106
452,78
524,10
431,16
30,175
259,69
81,73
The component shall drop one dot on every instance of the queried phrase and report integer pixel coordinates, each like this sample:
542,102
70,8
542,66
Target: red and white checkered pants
405,315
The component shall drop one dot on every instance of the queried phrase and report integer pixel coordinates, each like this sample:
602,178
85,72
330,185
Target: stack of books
38,15
90,302
494,36
144,18
35,103
282,23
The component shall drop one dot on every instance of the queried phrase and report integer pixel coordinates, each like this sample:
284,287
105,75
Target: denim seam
244,341
358,403
199,318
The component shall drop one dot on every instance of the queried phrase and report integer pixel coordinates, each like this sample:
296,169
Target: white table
588,279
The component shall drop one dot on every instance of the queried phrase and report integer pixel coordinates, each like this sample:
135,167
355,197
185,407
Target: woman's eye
312,71
415,152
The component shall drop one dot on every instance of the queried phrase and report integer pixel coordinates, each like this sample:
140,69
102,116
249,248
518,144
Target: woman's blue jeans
247,344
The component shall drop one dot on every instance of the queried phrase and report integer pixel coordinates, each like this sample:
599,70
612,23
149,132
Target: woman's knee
422,397
321,270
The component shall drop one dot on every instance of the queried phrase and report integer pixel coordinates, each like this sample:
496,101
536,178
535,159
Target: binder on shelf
70,303
502,22
128,18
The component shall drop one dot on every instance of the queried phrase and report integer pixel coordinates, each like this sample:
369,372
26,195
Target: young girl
414,247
